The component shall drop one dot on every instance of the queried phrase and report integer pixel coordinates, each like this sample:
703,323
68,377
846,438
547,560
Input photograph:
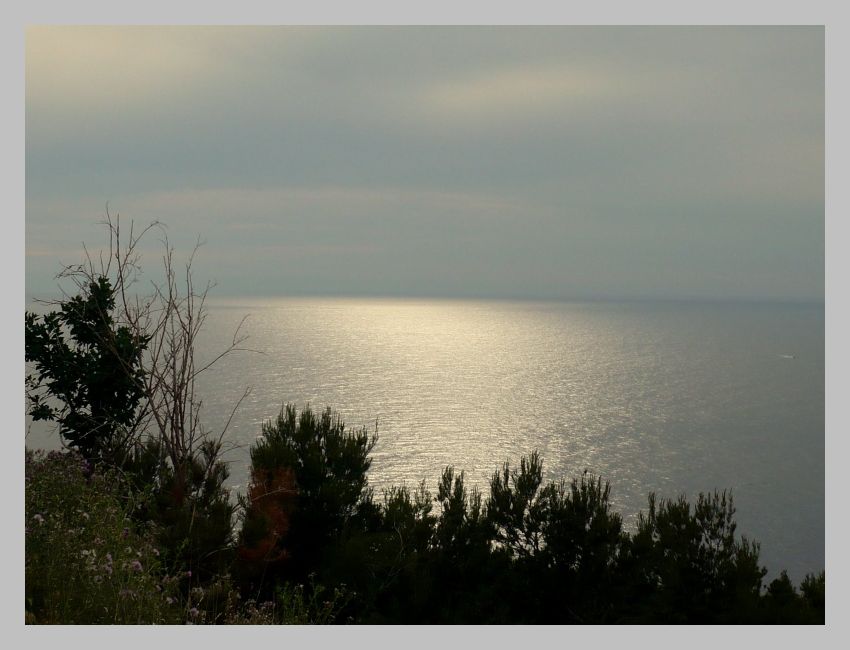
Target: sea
665,397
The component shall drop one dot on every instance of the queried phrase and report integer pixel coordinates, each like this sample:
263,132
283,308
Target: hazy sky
514,162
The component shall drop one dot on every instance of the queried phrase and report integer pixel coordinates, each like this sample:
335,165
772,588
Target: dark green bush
87,561
328,465
528,553
688,564
330,552
189,503
88,376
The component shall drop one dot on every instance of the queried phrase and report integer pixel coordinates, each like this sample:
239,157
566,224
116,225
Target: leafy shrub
325,551
327,465
88,376
86,561
784,604
691,565
189,503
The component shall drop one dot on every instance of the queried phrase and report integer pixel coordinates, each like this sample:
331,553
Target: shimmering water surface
665,397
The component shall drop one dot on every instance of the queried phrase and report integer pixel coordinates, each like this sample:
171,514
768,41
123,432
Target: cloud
529,90
115,68
485,157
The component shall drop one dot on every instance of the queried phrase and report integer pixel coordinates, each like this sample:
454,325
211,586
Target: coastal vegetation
133,522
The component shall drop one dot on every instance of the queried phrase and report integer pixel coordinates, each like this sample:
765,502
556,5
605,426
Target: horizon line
212,296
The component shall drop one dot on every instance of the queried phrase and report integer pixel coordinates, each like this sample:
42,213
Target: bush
315,547
117,371
784,604
86,560
689,564
88,376
189,503
308,487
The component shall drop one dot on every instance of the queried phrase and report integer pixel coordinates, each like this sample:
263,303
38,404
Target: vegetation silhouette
91,367
116,372
144,481
528,553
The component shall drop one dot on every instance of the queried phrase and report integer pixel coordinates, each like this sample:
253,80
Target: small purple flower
136,566
38,518
125,532
188,574
194,612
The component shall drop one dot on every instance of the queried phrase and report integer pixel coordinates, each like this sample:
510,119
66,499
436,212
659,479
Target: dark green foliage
690,567
189,504
529,553
90,366
329,465
463,528
813,589
452,577
784,604
516,509
563,537
410,516
581,551
581,534
86,561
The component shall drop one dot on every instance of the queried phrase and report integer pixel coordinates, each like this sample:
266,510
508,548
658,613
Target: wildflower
194,612
125,532
169,600
136,566
38,518
156,552
188,574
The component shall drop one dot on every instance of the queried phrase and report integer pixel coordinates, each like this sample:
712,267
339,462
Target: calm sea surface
666,397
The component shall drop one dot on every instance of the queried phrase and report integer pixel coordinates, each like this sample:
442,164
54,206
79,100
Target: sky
540,163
